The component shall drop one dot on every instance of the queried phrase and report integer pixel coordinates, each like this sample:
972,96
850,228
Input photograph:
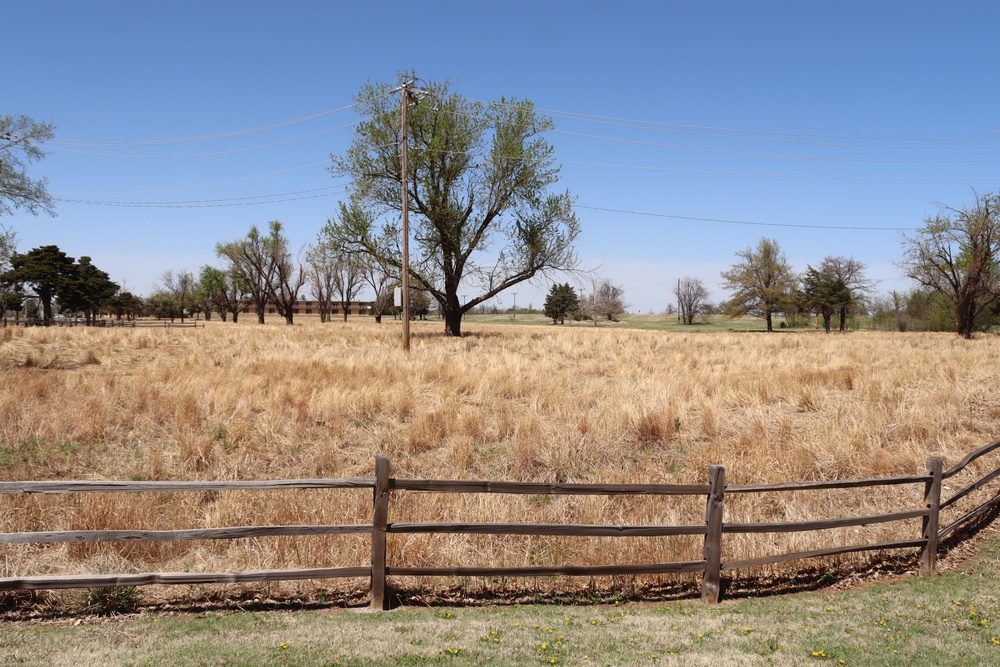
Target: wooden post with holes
380,519
932,501
711,581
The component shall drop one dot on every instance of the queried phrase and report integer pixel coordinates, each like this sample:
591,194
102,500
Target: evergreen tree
561,301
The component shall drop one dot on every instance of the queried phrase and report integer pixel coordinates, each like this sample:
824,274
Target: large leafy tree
252,263
10,294
825,293
222,290
957,254
20,145
838,284
45,270
761,281
479,176
87,289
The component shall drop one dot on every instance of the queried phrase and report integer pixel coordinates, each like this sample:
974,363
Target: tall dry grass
555,404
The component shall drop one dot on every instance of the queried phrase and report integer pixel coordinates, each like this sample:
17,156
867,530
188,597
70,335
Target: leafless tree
957,254
692,297
605,301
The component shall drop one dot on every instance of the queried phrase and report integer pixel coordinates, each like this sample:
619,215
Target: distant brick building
312,308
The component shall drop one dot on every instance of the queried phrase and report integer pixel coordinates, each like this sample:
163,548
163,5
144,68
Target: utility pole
678,299
404,182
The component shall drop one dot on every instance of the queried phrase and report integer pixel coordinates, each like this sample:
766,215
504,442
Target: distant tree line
954,259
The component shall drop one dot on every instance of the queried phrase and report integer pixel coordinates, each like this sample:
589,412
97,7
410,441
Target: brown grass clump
535,404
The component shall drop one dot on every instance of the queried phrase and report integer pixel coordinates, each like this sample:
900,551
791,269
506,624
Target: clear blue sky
868,114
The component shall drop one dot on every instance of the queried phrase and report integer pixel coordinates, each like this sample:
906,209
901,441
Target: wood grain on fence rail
825,484
821,524
236,533
975,486
550,570
982,509
834,551
170,578
982,451
541,488
146,487
565,529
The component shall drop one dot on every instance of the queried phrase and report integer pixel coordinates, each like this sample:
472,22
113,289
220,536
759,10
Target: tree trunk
767,315
260,313
965,313
378,318
452,319
288,316
46,309
843,319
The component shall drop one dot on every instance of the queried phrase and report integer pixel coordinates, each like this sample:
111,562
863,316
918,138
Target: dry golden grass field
502,403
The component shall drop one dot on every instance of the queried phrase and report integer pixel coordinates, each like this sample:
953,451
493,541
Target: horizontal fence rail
713,527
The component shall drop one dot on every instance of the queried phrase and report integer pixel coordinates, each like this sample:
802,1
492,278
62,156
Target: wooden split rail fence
713,527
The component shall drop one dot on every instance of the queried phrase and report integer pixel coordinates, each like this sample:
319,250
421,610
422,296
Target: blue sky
800,115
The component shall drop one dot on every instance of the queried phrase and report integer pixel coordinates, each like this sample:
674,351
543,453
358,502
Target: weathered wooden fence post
711,581
380,519
932,501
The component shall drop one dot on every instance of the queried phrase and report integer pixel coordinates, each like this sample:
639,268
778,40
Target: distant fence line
713,527
103,323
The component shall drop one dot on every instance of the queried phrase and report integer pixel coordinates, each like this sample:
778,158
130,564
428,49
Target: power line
747,222
209,203
680,170
194,187
580,116
796,142
817,158
707,131
193,155
149,142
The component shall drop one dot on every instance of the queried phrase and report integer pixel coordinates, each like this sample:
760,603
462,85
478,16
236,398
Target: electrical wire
747,222
581,116
192,187
193,155
150,142
816,158
233,202
710,132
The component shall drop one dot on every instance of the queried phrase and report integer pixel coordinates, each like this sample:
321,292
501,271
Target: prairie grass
547,404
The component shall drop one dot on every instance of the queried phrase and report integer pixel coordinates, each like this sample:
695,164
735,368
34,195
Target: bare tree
692,297
347,280
320,277
289,275
180,286
957,254
605,301
380,281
